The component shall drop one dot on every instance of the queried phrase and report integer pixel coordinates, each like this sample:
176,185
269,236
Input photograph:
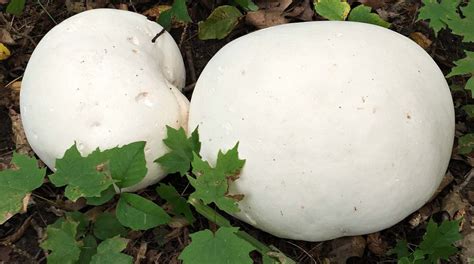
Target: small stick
190,61
157,35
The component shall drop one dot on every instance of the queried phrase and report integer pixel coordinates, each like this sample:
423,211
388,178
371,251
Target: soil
21,235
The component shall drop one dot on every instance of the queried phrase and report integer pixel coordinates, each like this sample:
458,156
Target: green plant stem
220,220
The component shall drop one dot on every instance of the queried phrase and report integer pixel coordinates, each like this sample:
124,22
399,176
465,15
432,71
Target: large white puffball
347,128
97,79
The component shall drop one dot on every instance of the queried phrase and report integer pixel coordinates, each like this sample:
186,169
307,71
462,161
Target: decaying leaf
346,247
277,12
156,10
467,247
5,37
422,214
77,6
453,203
421,40
4,52
376,244
19,136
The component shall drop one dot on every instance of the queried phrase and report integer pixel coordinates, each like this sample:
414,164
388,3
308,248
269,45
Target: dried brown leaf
422,214
19,137
18,233
346,247
421,40
265,18
452,203
6,37
376,244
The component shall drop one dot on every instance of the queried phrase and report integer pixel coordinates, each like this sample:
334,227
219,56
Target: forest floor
21,235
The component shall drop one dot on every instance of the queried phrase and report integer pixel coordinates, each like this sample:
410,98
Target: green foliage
177,12
363,14
332,9
222,247
88,249
104,197
469,109
93,176
464,26
465,66
339,10
220,23
437,244
84,176
16,7
138,213
61,241
212,184
438,13
16,183
181,150
178,203
107,226
247,5
108,252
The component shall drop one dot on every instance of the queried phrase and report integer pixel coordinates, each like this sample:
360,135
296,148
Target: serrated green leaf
108,252
178,203
61,241
88,249
219,23
212,184
16,183
463,66
107,226
363,14
401,249
469,109
177,12
438,240
222,247
181,150
332,9
466,144
139,213
16,7
247,5
84,176
464,26
105,196
470,85
438,13
127,163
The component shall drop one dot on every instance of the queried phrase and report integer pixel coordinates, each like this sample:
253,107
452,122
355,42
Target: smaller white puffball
99,80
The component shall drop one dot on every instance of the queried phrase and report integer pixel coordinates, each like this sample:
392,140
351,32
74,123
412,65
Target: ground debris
345,247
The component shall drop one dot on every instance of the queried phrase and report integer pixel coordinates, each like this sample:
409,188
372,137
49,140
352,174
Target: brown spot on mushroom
355,209
408,116
141,96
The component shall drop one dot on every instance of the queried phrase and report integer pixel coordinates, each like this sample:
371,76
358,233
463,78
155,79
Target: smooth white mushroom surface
347,128
98,79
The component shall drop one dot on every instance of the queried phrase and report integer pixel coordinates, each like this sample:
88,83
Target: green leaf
16,183
104,197
139,213
470,85
363,14
469,109
212,184
219,23
247,5
438,240
401,249
108,252
127,164
438,13
181,150
81,219
88,249
177,12
107,226
62,243
463,66
178,203
222,247
466,144
84,176
16,7
465,26
332,9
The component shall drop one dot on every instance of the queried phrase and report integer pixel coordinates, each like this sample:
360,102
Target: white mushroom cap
347,128
98,79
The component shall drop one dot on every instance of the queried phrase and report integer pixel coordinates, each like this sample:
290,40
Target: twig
189,59
303,250
153,40
47,13
465,182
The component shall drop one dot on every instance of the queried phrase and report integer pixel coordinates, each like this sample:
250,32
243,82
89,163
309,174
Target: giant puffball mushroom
347,128
99,80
